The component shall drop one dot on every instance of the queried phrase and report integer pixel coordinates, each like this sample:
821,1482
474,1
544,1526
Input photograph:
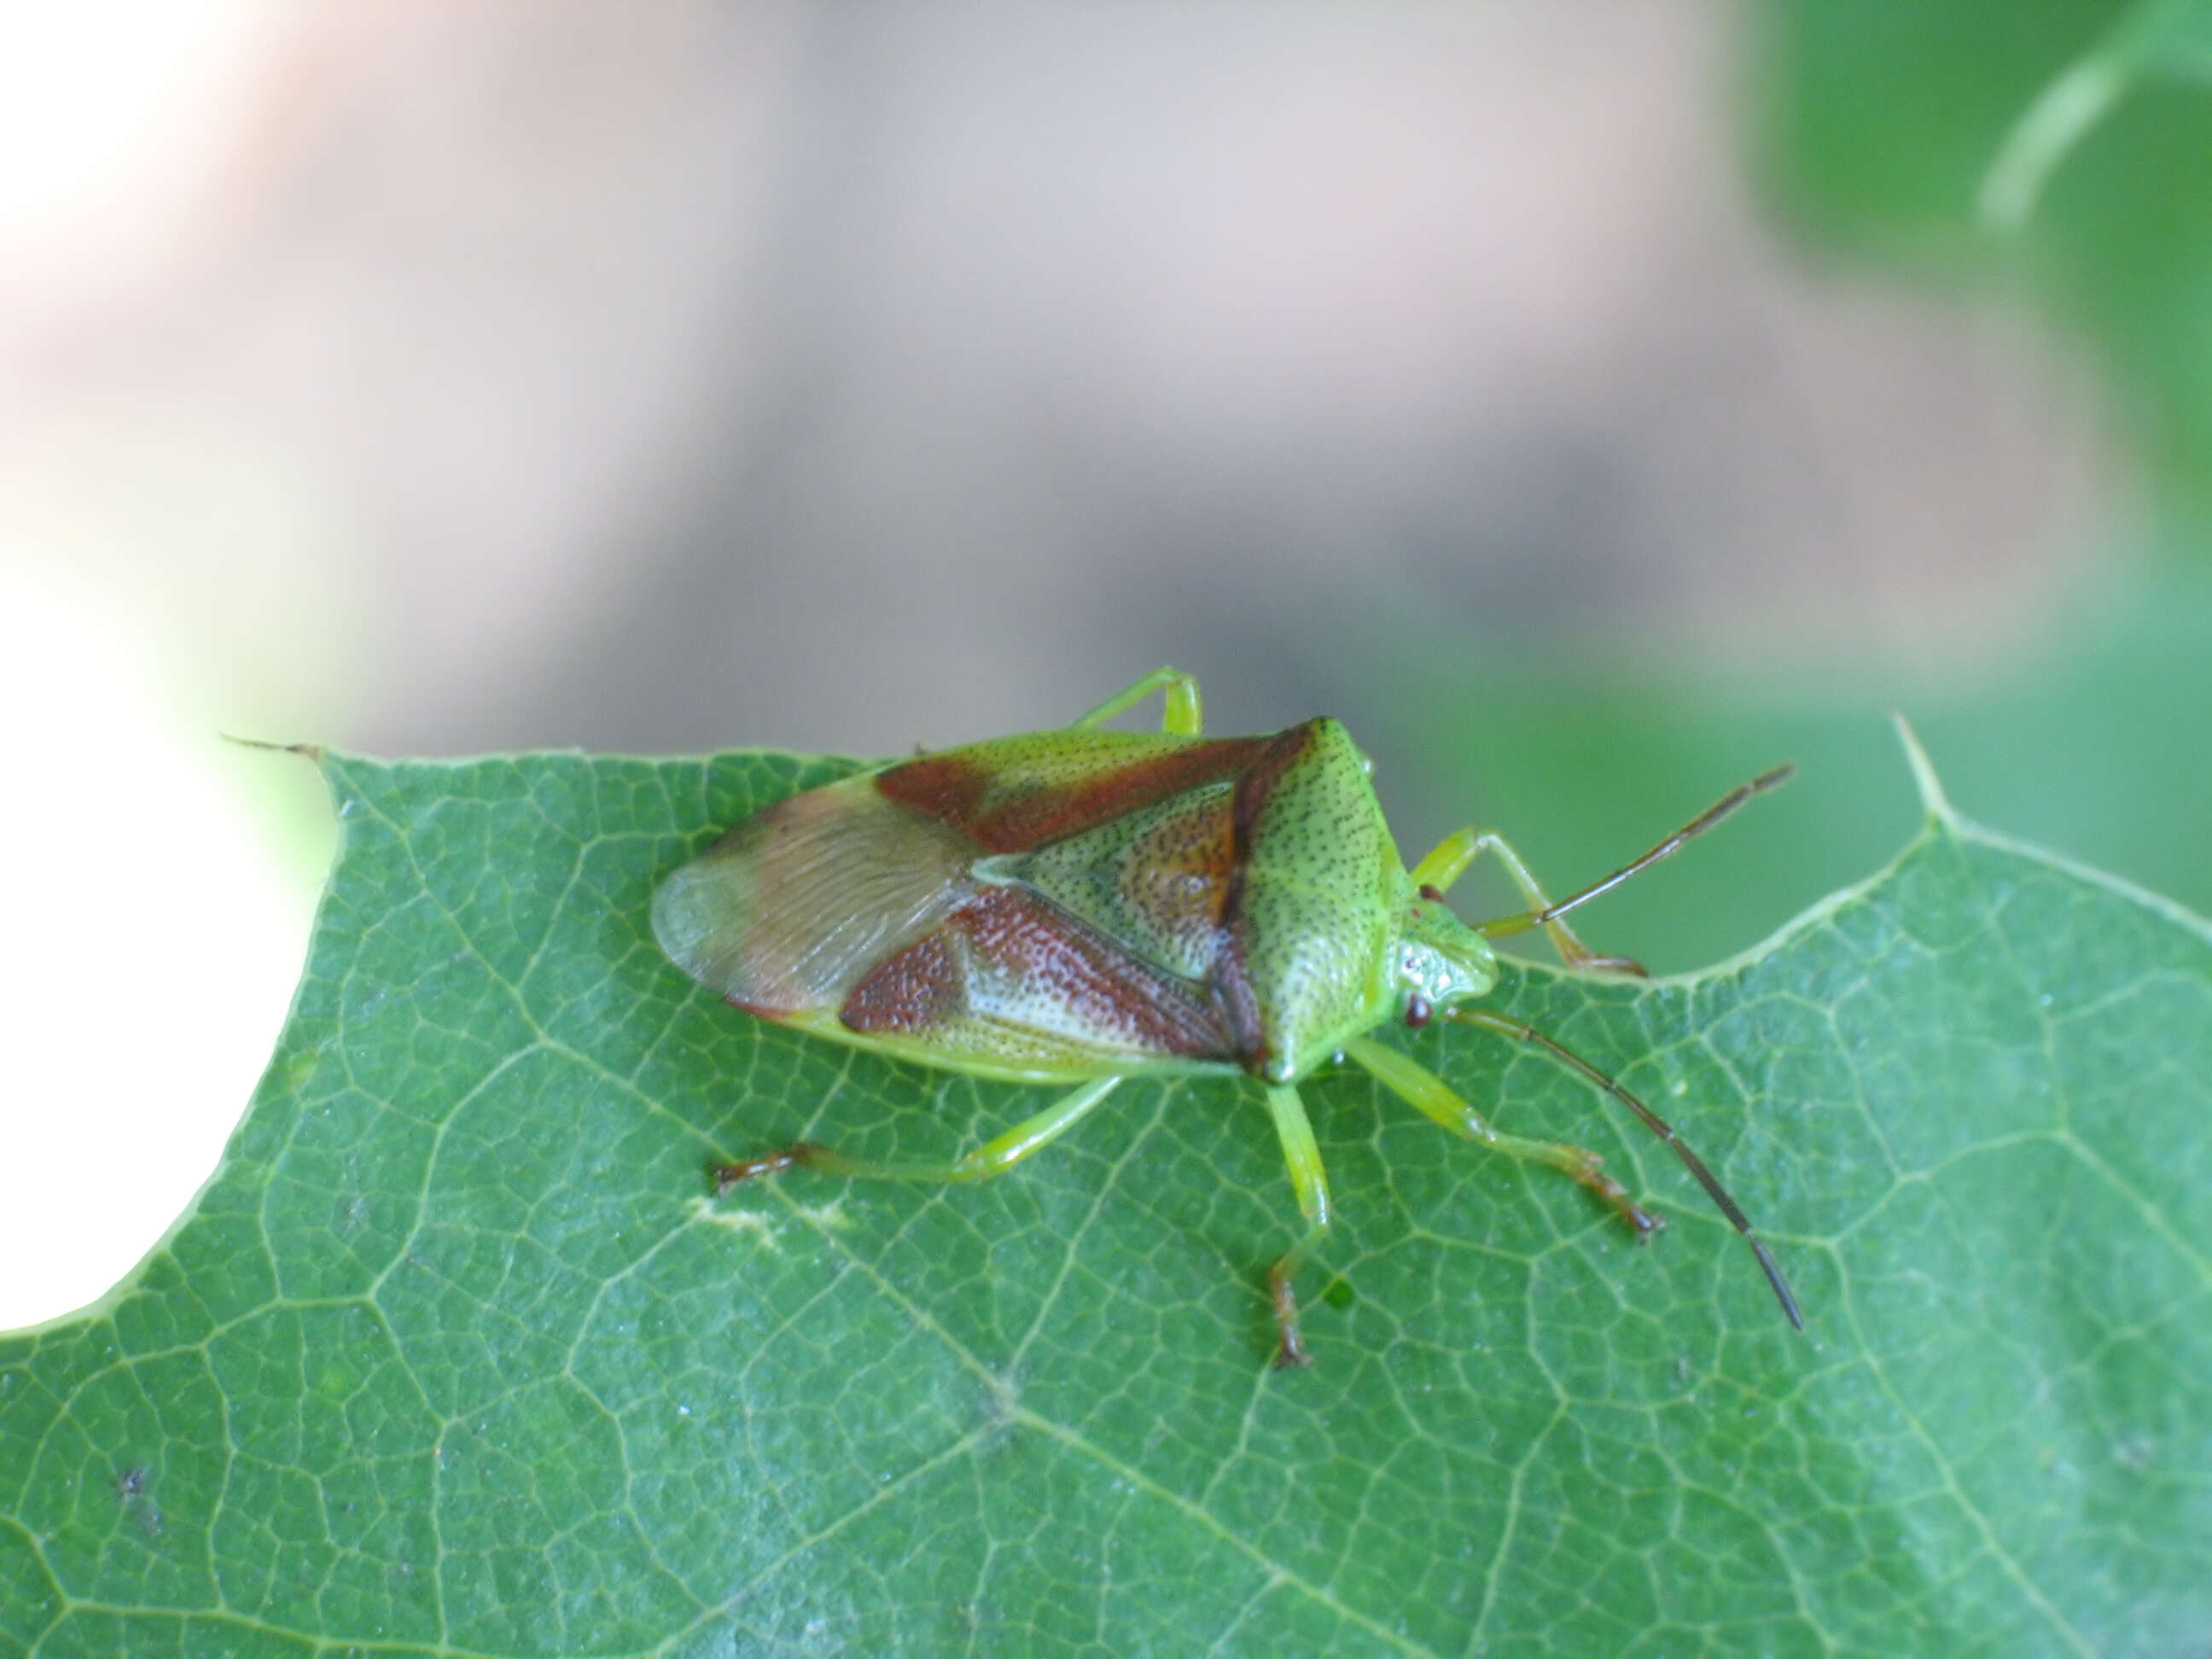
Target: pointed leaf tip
1933,800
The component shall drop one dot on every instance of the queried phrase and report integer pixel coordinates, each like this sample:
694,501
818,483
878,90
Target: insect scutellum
1082,906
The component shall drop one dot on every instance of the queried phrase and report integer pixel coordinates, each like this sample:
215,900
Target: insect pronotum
1080,906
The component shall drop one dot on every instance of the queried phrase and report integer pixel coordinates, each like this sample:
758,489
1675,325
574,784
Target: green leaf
455,1354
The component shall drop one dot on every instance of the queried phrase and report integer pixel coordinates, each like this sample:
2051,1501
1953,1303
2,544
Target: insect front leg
993,1156
1311,1183
1521,1031
1456,851
1429,1095
1180,714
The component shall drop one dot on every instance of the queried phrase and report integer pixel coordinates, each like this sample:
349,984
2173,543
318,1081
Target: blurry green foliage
1881,131
1879,125
2098,746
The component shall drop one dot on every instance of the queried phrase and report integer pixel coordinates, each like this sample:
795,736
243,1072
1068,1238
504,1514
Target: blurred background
1592,404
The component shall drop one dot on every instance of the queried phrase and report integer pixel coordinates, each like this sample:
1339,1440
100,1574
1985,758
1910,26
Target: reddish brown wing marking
911,990
1037,950
1009,962
1173,880
955,789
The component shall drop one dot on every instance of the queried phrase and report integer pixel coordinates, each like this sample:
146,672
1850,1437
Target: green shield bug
1079,906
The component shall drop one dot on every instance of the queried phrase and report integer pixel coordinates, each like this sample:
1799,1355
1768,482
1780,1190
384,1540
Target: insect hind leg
994,1157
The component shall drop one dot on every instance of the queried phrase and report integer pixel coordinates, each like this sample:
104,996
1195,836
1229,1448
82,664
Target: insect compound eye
1434,895
1418,1011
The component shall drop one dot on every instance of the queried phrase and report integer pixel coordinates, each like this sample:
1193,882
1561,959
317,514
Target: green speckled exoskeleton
1081,906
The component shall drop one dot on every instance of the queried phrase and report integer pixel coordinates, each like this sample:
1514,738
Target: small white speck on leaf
829,1217
744,1221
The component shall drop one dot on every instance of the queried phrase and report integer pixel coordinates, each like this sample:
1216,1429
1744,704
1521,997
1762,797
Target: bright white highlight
153,946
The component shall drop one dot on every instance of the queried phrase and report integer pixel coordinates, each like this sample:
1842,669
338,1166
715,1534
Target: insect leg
1429,1095
1311,1183
993,1156
1456,851
1521,1032
1180,714
1542,912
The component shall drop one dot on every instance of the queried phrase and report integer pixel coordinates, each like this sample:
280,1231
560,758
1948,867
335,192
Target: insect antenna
1524,920
1520,1031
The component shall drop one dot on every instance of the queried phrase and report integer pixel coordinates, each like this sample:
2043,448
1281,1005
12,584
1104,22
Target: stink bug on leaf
1080,906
